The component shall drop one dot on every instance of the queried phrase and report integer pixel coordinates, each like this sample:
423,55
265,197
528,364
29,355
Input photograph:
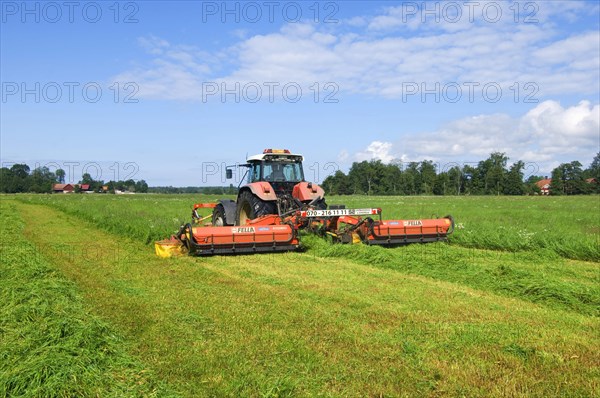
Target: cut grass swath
518,274
51,346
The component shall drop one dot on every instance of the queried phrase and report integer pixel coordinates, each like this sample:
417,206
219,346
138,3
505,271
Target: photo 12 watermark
454,12
215,172
70,92
73,171
52,12
253,92
453,92
251,12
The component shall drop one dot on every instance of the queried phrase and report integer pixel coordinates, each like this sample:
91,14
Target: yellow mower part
169,248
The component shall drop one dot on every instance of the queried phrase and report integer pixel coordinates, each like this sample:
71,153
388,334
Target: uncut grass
144,217
50,346
290,324
567,226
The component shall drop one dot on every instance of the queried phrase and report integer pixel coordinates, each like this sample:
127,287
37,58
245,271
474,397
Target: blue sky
170,91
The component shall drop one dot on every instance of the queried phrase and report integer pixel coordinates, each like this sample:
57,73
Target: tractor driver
276,173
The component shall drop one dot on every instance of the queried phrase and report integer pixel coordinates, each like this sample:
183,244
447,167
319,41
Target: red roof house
63,188
544,186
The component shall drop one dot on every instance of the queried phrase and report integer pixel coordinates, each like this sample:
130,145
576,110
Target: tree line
230,190
20,178
487,177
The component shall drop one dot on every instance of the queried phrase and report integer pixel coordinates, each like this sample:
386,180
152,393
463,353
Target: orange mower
277,203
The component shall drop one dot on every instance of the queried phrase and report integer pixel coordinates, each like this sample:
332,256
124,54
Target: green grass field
509,307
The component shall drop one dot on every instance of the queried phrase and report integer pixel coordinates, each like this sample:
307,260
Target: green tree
568,179
427,174
514,180
456,181
410,179
493,172
7,180
594,170
365,177
530,185
41,180
442,184
393,178
557,186
60,176
141,186
472,180
21,181
86,178
337,184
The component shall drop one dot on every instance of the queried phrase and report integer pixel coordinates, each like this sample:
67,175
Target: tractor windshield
276,171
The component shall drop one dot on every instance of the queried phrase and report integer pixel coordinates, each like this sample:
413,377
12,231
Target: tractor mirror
228,174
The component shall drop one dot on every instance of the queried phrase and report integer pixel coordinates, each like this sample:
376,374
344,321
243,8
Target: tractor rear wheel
250,206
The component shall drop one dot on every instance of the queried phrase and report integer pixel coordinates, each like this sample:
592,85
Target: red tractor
276,204
275,185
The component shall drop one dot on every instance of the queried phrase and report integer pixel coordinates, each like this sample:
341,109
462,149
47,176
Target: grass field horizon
510,306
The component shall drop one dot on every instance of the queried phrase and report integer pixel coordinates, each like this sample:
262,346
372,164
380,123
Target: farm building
70,188
544,186
63,188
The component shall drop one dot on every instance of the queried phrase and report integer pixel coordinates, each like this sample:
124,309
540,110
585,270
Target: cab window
254,173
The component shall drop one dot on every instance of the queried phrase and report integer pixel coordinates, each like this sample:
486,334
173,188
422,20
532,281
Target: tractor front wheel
250,206
320,204
218,216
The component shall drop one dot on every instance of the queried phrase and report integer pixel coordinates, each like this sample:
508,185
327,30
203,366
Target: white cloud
343,156
376,150
380,58
176,72
547,135
575,126
152,44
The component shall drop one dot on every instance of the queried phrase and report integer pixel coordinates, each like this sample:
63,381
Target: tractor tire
320,205
218,216
250,206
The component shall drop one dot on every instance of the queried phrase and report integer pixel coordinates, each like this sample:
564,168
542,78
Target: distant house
544,186
63,188
105,188
84,187
591,181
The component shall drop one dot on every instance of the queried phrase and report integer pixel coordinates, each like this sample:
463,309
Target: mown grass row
567,226
541,277
50,345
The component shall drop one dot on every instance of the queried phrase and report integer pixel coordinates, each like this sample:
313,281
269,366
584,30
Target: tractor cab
282,169
274,184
